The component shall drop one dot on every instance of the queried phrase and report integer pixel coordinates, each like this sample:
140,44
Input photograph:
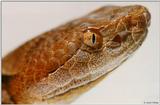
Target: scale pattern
58,60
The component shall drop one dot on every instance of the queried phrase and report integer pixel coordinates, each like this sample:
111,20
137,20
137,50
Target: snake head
67,57
118,28
111,34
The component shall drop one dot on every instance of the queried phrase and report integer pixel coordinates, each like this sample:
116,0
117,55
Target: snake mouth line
75,83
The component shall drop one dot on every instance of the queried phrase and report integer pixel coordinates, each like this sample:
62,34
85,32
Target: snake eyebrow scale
65,62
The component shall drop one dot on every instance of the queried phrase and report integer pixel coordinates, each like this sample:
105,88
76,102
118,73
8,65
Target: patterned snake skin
74,54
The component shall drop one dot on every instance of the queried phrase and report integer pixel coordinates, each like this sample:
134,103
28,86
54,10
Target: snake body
74,54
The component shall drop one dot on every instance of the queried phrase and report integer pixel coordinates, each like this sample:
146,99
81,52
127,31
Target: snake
73,55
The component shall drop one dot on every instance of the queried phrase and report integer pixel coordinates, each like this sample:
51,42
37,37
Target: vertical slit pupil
93,38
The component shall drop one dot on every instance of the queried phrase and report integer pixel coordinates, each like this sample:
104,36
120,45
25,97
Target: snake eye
92,39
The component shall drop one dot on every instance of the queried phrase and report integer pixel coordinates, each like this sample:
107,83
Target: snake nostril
147,17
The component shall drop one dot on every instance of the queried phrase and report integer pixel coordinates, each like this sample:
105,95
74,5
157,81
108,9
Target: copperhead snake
74,54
